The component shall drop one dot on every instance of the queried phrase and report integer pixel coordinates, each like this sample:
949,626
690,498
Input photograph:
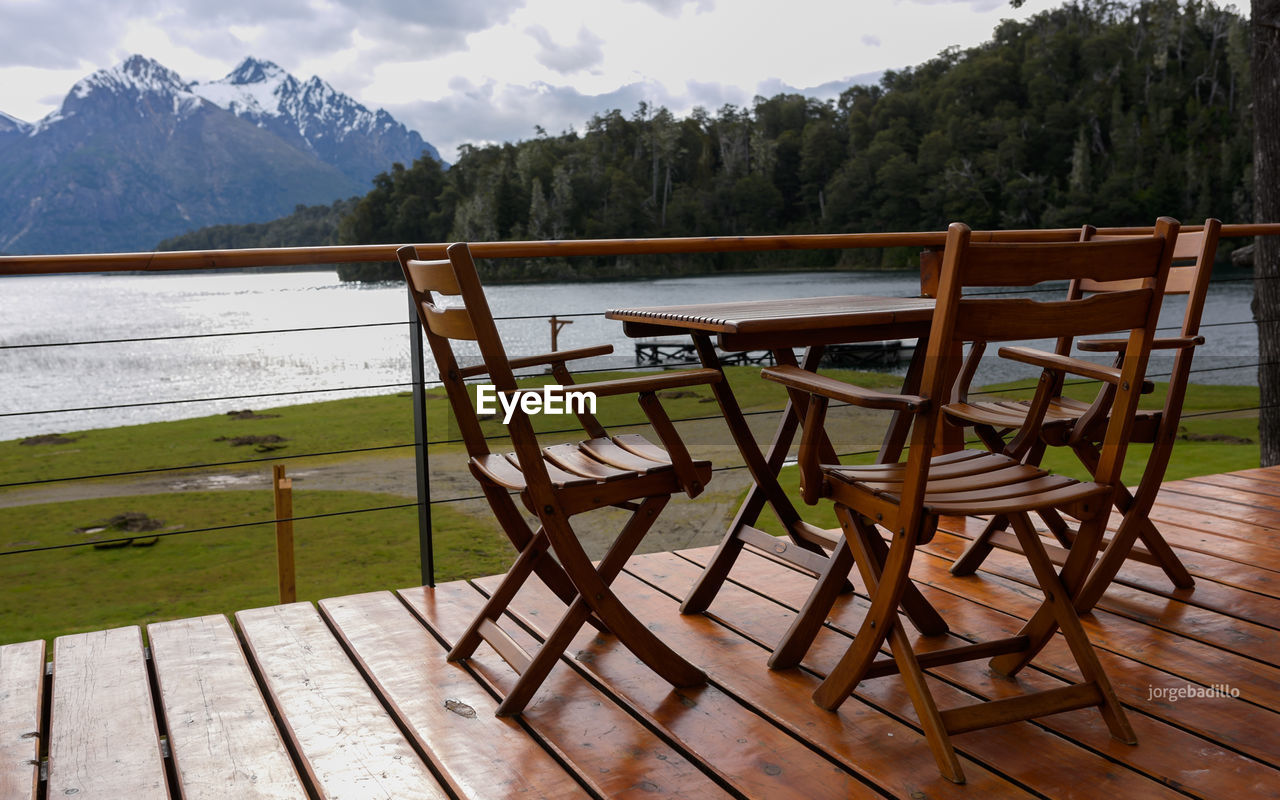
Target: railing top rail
335,254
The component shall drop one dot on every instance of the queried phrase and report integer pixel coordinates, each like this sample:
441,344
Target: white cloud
673,8
490,70
567,59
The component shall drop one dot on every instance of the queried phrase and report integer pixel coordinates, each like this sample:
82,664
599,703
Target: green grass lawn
53,592
328,427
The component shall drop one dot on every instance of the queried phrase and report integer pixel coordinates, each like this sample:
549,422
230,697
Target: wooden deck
352,697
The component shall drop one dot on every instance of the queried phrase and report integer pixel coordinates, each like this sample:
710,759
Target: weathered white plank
221,735
349,745
103,740
21,683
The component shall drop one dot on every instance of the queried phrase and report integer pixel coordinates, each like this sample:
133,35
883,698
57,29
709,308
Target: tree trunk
1266,208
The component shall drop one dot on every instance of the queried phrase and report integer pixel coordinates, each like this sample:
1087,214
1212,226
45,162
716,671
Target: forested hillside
1107,112
306,226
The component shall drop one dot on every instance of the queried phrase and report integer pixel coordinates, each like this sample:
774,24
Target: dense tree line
1100,111
306,226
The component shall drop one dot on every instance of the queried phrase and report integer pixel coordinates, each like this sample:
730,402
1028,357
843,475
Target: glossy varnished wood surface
356,697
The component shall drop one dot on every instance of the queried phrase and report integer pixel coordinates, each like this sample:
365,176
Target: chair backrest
1193,257
1142,261
470,321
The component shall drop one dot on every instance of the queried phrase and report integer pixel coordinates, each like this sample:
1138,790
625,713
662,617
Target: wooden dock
352,697
673,351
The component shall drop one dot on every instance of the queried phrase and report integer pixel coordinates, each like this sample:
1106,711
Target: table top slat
442,706
348,743
103,738
786,315
221,735
21,698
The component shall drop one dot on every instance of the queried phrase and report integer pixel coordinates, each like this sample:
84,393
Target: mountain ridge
136,154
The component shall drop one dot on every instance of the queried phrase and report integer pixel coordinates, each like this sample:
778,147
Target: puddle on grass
223,481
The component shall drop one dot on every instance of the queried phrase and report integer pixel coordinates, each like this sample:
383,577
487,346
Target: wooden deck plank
749,754
1239,481
349,745
611,751
21,702
855,737
1227,561
103,739
221,736
1215,518
1231,633
1165,752
1256,675
1235,490
1260,473
442,706
1213,536
1026,752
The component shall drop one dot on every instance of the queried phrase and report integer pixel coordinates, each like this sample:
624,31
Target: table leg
764,488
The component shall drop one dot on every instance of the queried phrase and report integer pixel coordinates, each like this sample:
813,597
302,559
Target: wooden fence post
283,488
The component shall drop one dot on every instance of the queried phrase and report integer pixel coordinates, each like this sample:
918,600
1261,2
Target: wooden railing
345,254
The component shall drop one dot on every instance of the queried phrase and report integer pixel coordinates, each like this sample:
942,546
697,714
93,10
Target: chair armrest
1053,361
554,357
1076,366
1118,345
651,383
813,383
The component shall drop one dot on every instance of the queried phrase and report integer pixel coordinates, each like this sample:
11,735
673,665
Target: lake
153,377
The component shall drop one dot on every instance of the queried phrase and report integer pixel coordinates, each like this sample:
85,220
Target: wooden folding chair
1069,423
907,498
555,482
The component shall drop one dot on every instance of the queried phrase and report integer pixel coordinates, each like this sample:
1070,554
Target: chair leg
1139,507
1059,600
594,585
978,549
1168,560
542,662
1113,557
808,621
517,530
885,583
935,730
1058,527
920,611
594,595
497,603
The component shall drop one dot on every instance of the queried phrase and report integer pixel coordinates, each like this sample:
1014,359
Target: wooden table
778,326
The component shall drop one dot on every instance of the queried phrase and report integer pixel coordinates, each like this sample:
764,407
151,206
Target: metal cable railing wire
496,437
443,501
278,457
369,387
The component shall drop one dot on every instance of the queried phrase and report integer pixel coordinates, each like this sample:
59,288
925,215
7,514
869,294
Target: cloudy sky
490,70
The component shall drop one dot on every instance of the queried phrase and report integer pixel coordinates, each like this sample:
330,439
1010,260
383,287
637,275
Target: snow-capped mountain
332,125
136,154
13,125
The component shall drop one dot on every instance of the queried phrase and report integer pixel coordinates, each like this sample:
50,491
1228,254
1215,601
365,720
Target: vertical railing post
282,487
421,460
